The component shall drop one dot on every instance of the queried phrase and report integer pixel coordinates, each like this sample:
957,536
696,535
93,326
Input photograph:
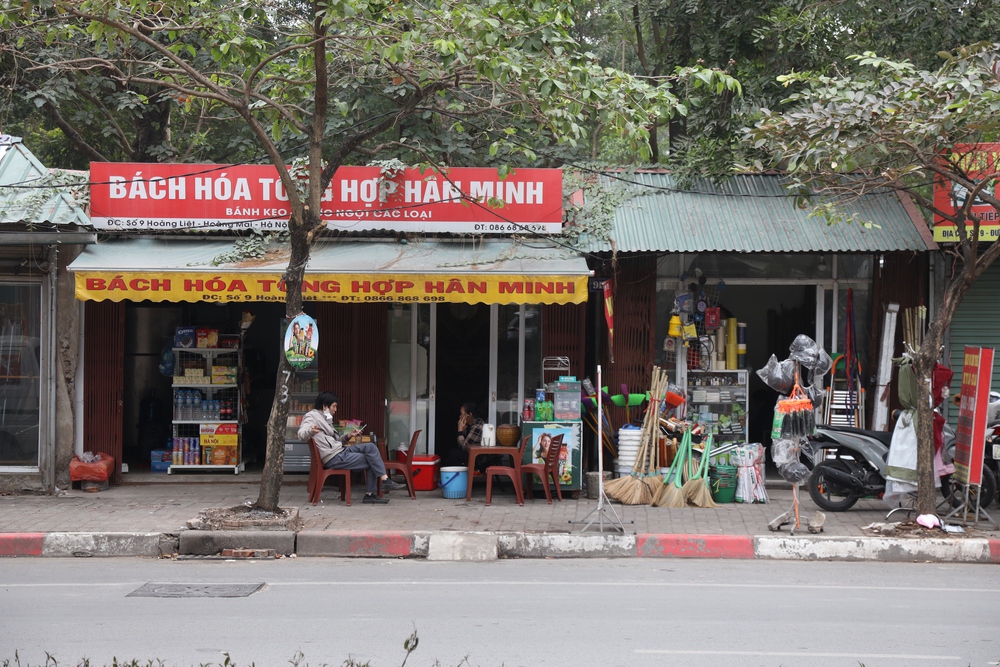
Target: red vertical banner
609,317
977,374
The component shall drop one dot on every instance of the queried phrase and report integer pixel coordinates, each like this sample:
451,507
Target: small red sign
977,374
127,196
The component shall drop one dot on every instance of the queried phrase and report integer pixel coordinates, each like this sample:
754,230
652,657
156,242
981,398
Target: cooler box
426,472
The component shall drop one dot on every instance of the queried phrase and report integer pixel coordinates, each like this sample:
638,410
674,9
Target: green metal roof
52,205
749,213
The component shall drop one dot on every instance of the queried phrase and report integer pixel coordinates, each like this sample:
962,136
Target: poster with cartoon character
565,435
301,341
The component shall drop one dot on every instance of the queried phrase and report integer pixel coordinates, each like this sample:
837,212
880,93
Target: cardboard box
426,472
160,460
229,341
219,435
185,337
194,372
207,337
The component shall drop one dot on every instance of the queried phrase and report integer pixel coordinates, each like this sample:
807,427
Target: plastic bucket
454,481
722,481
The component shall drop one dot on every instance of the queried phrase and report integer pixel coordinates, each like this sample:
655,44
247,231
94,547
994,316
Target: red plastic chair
513,472
549,468
318,476
406,468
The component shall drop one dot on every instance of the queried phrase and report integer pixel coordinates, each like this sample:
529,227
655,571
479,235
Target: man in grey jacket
335,452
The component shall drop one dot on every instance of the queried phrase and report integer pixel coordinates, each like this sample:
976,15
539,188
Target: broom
696,491
651,429
670,494
632,490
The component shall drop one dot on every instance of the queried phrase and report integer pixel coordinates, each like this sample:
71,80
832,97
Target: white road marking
805,654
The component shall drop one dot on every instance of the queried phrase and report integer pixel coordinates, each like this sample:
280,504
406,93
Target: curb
488,546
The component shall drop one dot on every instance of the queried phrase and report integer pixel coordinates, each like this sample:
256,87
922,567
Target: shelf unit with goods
718,400
304,387
209,409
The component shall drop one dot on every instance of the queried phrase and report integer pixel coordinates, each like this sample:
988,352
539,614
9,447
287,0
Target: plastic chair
318,476
406,468
549,467
513,472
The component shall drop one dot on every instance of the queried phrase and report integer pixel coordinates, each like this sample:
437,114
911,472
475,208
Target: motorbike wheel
830,495
988,489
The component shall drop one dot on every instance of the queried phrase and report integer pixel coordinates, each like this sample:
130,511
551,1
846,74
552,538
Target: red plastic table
478,451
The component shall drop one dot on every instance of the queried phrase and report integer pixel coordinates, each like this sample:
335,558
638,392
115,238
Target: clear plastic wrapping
778,375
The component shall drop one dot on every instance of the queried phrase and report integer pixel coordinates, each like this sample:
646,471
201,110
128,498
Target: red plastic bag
98,471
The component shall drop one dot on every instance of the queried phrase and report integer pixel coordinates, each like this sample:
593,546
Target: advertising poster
978,161
565,435
301,341
977,374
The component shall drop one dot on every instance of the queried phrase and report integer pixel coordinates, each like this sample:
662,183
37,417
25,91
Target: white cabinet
718,401
208,409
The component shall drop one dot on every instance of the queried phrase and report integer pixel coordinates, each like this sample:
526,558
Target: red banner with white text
131,196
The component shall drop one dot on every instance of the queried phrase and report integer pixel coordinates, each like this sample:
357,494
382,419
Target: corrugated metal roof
18,166
362,257
748,213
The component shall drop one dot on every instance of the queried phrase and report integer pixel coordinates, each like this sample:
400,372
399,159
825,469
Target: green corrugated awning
750,213
30,194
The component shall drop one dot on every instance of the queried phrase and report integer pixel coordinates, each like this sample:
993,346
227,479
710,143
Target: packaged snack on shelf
207,337
184,337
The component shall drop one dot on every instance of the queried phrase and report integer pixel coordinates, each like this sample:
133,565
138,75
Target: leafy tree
894,126
340,80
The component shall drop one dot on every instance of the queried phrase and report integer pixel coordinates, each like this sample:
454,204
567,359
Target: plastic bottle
196,413
177,405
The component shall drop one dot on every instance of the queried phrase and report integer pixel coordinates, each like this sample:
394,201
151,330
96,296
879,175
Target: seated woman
336,452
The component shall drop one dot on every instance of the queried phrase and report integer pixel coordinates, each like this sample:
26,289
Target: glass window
20,376
532,349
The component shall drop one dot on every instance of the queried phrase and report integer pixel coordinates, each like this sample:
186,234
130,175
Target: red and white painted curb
482,546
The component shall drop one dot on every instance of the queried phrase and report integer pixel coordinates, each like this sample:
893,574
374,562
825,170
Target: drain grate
154,590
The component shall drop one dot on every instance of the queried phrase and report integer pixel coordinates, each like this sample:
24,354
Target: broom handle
684,451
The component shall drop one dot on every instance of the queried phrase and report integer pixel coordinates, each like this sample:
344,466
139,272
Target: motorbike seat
885,437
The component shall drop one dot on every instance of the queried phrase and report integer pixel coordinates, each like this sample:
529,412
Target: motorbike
991,455
849,464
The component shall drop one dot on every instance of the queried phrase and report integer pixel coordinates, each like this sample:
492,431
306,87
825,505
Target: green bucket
722,481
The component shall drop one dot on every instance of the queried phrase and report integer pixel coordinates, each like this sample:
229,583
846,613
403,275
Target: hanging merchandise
609,317
798,418
713,317
301,341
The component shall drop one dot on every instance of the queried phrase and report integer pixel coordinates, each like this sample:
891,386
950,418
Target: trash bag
795,472
778,375
166,361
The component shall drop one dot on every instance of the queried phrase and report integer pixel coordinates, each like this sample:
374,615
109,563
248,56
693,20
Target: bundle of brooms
638,488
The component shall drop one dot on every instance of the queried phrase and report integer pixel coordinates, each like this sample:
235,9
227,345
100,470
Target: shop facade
410,329
743,249
41,231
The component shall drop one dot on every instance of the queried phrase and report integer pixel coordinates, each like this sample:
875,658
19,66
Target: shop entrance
463,368
774,315
443,355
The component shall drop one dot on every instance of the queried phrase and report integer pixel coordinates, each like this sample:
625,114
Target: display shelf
207,415
303,389
237,469
718,400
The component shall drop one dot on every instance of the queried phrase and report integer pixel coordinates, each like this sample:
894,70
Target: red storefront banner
129,196
978,161
977,374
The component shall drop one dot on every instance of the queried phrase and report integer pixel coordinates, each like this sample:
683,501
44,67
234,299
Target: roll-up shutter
103,380
976,323
352,358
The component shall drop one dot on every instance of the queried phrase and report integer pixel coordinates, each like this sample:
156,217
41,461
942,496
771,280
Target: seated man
335,452
470,434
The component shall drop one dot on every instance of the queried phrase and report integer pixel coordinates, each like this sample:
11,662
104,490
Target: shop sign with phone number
345,288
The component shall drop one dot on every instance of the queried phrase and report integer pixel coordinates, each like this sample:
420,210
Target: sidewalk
163,507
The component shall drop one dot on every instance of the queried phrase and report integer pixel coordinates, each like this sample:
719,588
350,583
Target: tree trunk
274,462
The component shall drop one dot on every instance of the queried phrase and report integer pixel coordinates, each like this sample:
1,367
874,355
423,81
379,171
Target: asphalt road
530,612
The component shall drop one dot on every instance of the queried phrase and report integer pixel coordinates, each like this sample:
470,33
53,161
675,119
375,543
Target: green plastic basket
722,480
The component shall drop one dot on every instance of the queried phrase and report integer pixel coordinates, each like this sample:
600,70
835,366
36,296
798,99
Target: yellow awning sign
230,286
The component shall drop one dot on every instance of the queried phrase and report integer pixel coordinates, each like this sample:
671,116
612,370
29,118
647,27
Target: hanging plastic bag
778,375
812,357
166,366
